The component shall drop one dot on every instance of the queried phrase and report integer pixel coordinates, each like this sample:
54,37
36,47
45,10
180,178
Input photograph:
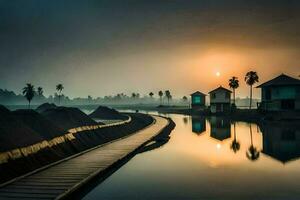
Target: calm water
201,161
212,159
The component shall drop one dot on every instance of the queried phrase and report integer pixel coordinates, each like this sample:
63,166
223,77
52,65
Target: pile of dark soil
14,133
37,122
45,106
23,128
103,112
84,140
68,117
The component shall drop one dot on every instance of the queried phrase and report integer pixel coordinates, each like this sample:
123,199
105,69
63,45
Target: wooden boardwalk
57,181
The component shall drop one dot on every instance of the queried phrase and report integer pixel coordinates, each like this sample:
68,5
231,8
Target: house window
197,99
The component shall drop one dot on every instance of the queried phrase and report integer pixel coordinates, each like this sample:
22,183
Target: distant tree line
164,98
32,95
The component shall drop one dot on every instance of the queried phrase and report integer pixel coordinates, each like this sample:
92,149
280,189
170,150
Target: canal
212,158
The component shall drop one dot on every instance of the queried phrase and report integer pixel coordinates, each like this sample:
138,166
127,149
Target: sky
104,47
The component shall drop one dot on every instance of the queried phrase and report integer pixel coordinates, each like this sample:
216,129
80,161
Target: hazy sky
105,47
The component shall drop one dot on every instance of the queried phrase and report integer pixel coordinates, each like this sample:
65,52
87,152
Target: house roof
220,88
198,93
281,80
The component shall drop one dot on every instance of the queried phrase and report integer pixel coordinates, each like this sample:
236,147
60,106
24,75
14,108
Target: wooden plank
50,181
34,191
59,180
49,187
32,184
25,195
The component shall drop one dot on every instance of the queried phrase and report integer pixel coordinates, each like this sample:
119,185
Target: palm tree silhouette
28,92
234,84
151,94
133,95
160,94
59,89
235,145
252,153
251,78
90,99
168,95
40,91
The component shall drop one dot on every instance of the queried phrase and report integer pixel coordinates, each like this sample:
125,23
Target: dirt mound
37,122
103,112
83,140
68,117
3,109
14,133
45,106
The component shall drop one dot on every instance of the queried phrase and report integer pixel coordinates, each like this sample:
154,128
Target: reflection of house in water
281,141
220,128
185,120
198,125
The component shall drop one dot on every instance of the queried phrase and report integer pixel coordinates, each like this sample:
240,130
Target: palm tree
160,94
235,145
168,95
251,78
234,84
40,91
151,94
28,92
133,95
59,89
90,99
252,153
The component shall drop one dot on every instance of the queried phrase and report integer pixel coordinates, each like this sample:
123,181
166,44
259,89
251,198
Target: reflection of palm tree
185,120
252,153
235,145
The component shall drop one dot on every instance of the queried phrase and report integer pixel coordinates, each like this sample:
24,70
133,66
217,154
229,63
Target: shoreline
239,114
245,115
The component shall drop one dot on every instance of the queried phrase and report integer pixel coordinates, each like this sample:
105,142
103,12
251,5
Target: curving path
59,180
